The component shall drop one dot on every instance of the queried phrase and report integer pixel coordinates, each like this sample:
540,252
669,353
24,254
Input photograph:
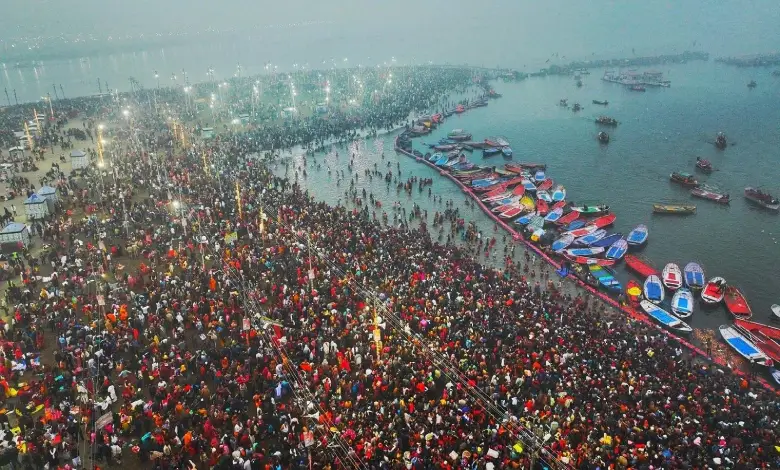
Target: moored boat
559,193
775,311
736,303
703,165
744,346
589,261
554,215
563,242
704,193
682,303
598,209
490,151
576,225
542,207
568,218
545,185
590,238
766,337
606,277
583,230
685,179
672,276
675,209
664,318
714,291
617,250
640,266
694,276
605,220
544,196
539,176
762,199
507,152
633,291
584,251
638,236
653,289
608,240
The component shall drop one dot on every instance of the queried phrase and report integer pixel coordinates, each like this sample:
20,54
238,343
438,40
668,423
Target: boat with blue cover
576,224
539,176
591,237
559,193
584,251
507,151
608,240
638,236
694,276
744,346
544,196
525,219
682,303
490,151
617,250
442,160
554,215
563,242
528,185
606,277
664,318
435,157
653,289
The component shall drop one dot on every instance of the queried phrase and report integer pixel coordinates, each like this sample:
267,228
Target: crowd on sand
164,324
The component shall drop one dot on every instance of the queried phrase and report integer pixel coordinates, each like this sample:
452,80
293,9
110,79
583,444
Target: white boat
653,289
672,276
714,290
776,311
775,375
664,318
682,303
744,346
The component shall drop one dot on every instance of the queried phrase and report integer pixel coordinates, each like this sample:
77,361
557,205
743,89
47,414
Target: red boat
568,218
640,266
512,212
514,168
495,192
542,207
519,190
766,337
703,165
492,143
604,220
589,261
559,205
711,195
545,185
736,303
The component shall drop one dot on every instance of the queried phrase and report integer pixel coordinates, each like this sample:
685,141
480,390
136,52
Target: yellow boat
681,209
528,203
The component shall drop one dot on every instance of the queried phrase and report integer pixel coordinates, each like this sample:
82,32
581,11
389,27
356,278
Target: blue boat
638,236
664,318
606,277
591,238
489,152
584,251
435,157
559,193
617,250
575,225
484,181
608,240
682,303
525,219
529,185
563,242
694,276
653,289
539,176
543,196
441,161
744,346
507,151
554,215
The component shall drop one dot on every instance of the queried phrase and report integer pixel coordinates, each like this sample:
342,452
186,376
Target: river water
660,131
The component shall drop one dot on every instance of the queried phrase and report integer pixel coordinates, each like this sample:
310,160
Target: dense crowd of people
173,325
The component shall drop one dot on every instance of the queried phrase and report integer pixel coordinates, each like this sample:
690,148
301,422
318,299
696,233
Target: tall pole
55,91
29,137
238,201
51,108
62,91
7,97
16,99
100,87
101,163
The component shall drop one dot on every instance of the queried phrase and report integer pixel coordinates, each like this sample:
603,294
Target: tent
15,232
36,207
78,159
51,196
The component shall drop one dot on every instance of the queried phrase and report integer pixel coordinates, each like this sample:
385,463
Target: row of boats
755,195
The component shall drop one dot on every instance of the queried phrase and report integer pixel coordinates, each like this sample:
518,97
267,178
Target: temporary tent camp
36,207
78,159
14,233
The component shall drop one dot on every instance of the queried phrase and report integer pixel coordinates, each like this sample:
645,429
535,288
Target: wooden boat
603,103
591,237
617,250
539,176
589,261
638,236
529,185
526,218
762,199
592,210
744,346
513,212
604,220
766,337
559,205
679,209
653,289
490,151
640,266
554,215
703,165
528,203
543,196
606,121
685,179
537,223
633,291
714,291
607,241
507,152
672,276
694,276
542,207
581,232
606,277
720,141
518,190
682,303
530,166
714,196
568,218
496,194
563,242
664,318
506,206
559,193
545,185
736,303
584,251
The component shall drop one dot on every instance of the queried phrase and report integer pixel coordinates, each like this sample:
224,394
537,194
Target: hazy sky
509,30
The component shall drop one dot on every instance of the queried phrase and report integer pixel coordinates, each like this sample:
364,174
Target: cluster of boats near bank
523,195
